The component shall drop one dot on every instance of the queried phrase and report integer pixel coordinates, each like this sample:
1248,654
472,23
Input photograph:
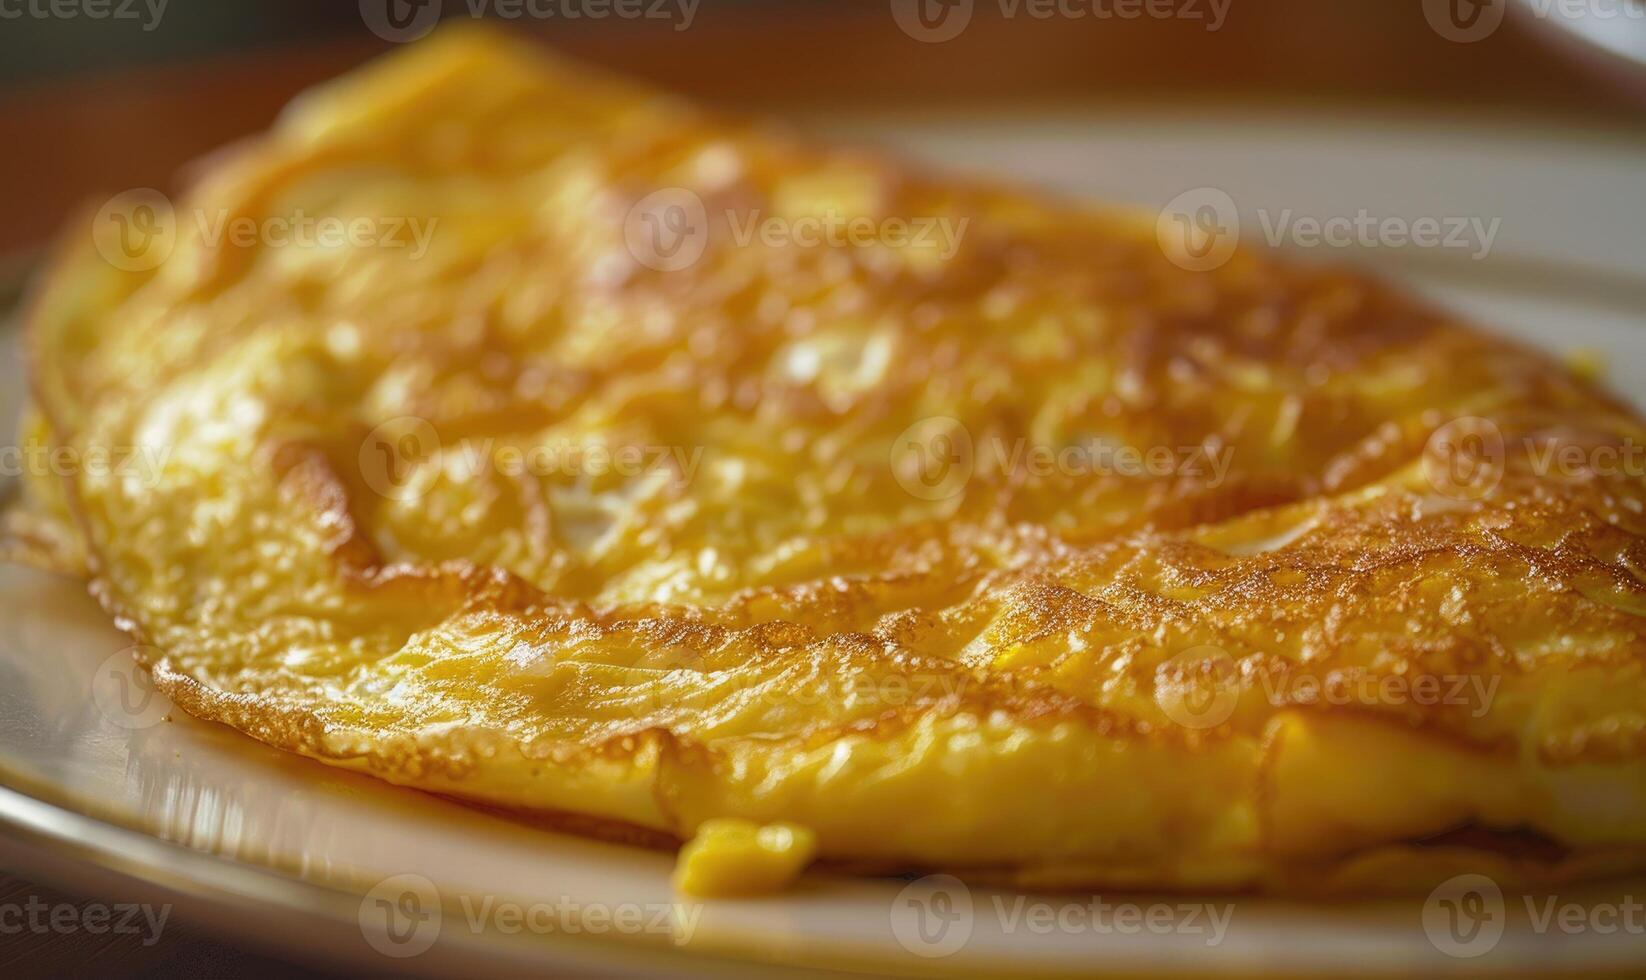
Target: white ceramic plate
103,787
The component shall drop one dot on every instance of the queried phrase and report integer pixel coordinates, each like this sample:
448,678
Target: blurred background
97,95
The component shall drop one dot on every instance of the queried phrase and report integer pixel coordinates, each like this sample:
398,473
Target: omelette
668,472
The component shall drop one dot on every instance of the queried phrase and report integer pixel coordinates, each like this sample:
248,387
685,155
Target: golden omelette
604,498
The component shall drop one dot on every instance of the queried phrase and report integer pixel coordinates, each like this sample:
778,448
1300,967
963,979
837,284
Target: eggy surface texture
1008,546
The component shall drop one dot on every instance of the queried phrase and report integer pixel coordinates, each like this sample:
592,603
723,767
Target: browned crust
1111,581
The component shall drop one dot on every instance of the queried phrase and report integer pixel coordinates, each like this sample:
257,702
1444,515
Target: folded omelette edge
369,521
